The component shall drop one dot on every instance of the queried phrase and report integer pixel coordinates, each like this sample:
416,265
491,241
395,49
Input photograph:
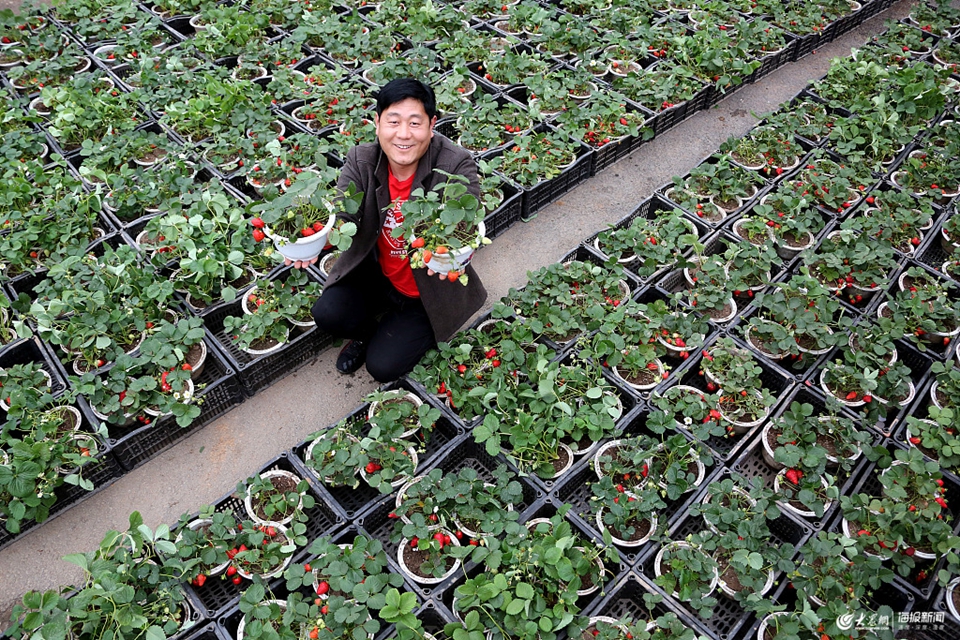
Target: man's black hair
399,89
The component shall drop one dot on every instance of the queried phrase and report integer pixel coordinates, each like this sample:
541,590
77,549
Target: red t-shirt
394,261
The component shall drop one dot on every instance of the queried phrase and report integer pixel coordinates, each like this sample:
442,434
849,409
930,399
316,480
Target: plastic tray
218,594
221,393
729,617
626,600
257,373
352,503
751,463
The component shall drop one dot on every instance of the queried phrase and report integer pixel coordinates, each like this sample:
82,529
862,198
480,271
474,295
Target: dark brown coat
448,304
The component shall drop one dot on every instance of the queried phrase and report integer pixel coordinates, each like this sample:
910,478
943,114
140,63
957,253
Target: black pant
364,305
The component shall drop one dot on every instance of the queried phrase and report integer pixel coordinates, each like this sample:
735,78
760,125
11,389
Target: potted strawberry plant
444,247
688,572
838,437
936,437
536,157
292,219
846,259
335,454
627,516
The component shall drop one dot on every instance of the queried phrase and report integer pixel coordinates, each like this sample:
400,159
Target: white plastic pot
788,507
402,395
281,531
401,494
658,377
421,579
658,560
628,543
456,259
303,248
269,475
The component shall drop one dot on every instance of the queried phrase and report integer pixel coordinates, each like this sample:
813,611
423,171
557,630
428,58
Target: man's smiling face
404,132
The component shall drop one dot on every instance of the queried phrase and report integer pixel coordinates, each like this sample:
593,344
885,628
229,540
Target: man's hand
300,264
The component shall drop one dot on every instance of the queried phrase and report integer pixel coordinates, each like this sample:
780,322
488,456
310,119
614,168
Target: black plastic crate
751,464
258,372
220,394
729,617
921,586
775,381
538,196
616,150
626,600
219,594
574,489
352,503
507,214
102,471
30,351
652,208
773,61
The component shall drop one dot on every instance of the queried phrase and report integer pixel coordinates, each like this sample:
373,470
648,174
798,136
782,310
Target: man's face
404,132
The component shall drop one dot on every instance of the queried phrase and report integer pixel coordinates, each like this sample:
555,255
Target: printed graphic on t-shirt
394,218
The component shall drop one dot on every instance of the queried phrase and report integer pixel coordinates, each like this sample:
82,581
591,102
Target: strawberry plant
806,117
549,565
202,543
712,292
306,208
563,300
536,157
895,217
126,589
490,124
847,259
853,378
832,570
630,514
749,267
910,516
680,331
513,68
277,498
336,455
689,572
444,220
872,140
948,385
728,366
905,36
835,435
936,437
660,87
931,308
694,410
604,120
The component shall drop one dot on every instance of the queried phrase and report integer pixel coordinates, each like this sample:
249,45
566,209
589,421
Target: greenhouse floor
203,467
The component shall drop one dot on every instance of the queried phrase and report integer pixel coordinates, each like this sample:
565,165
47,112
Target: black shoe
352,356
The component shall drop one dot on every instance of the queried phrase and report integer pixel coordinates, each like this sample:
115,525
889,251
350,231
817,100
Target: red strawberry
852,395
323,587
258,235
414,542
915,440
